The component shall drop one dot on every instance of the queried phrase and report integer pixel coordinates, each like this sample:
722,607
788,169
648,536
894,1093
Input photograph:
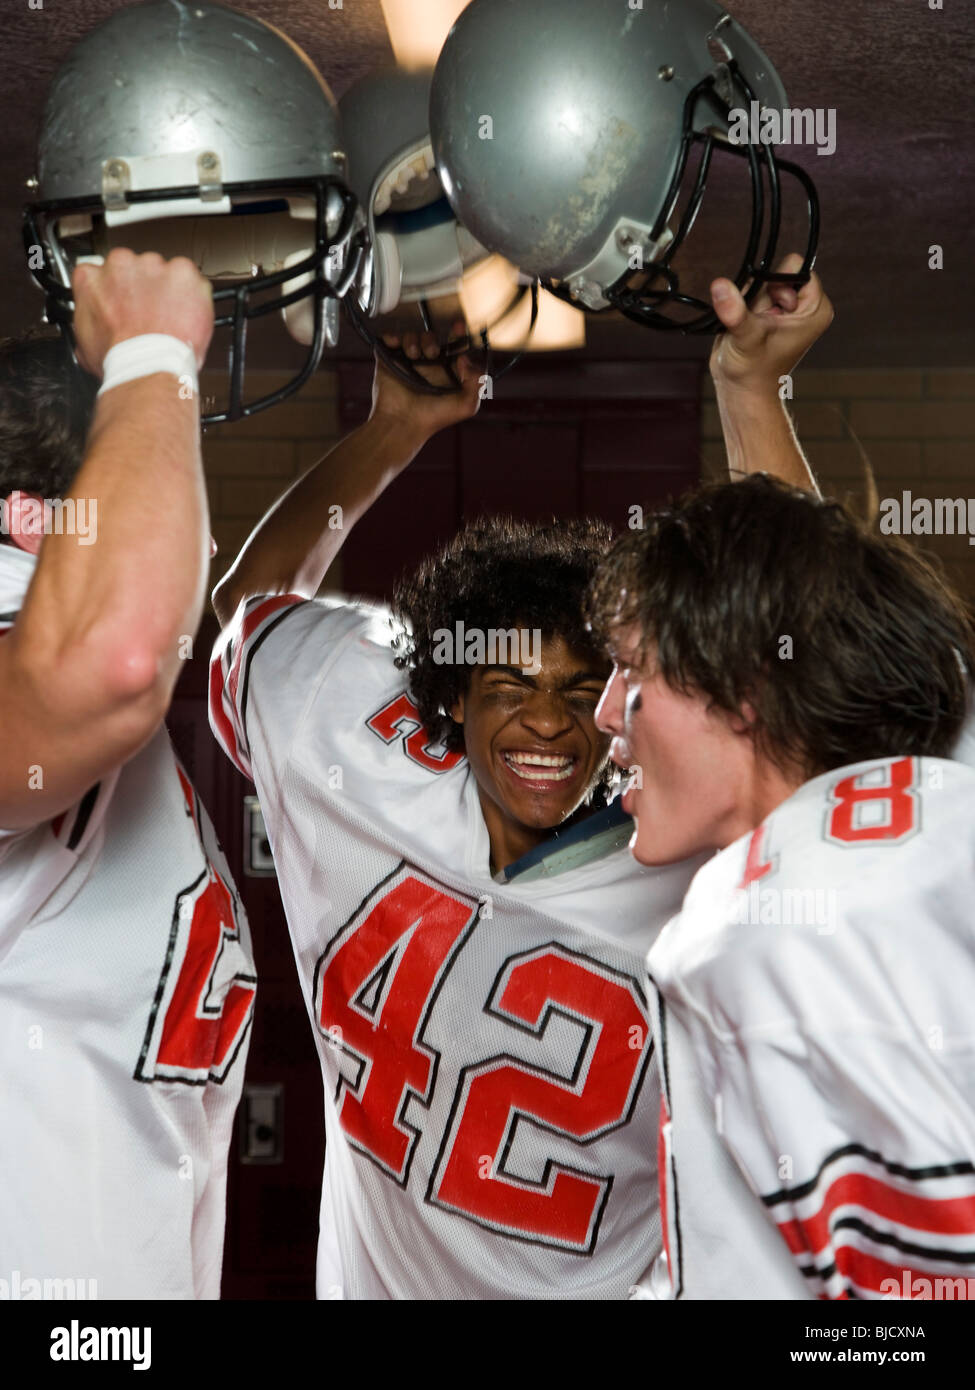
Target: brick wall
916,427
250,463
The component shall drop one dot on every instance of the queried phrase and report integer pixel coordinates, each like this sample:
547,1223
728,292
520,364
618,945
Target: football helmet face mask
192,129
418,251
569,154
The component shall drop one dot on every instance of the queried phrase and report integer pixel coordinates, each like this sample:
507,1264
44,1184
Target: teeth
551,768
399,180
540,759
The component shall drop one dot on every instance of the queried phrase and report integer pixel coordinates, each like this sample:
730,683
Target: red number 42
374,990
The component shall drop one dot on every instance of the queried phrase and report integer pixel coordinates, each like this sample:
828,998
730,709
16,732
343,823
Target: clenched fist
134,294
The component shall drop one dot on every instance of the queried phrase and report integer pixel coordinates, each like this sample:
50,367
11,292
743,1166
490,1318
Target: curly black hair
495,573
46,405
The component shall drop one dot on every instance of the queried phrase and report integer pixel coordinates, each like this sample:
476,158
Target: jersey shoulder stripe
927,1214
230,671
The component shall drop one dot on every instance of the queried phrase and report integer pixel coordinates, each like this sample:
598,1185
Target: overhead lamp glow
489,288
417,28
558,328
487,291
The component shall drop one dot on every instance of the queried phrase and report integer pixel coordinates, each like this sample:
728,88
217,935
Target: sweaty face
691,765
532,743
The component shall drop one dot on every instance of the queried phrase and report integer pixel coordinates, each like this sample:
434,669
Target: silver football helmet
566,145
419,251
191,129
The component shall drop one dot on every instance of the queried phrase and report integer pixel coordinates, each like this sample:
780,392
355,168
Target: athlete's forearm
88,668
293,546
115,600
759,435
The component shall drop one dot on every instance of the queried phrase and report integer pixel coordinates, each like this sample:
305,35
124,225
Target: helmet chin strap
406,368
396,359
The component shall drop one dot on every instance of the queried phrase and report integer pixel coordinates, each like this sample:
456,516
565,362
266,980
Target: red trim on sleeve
251,622
223,725
237,648
868,1272
936,1216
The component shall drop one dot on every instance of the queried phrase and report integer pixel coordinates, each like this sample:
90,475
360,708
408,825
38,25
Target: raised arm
294,544
761,345
88,668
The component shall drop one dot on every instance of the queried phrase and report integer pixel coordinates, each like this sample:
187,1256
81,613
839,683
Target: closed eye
587,694
509,685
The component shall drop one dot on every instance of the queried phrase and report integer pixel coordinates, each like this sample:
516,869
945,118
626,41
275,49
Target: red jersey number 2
400,718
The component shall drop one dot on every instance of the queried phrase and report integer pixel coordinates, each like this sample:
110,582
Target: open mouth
541,767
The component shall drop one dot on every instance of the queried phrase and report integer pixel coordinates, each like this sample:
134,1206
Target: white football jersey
126,996
964,749
490,1099
816,1035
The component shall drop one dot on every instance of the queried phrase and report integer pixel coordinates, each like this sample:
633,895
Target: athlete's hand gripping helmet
191,129
564,132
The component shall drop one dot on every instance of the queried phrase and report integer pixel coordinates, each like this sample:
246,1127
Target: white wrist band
146,355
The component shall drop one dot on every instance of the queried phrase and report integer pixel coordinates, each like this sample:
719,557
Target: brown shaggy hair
880,650
46,405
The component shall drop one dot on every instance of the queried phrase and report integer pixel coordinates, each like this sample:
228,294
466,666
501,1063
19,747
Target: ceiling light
417,28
